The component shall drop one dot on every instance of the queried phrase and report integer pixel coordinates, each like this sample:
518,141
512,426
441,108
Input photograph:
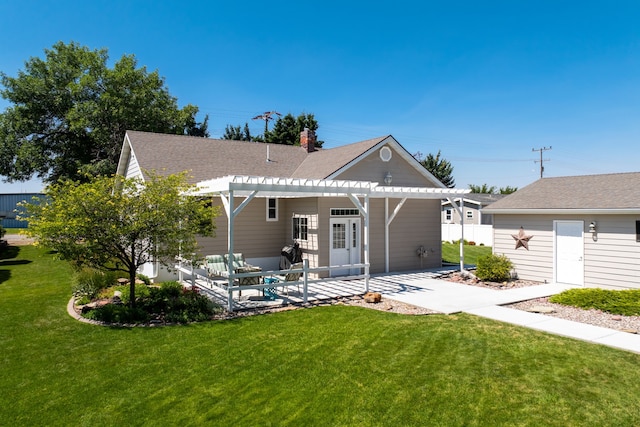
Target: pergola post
230,223
366,242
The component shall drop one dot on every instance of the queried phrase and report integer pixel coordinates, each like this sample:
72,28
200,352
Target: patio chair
238,261
287,277
215,265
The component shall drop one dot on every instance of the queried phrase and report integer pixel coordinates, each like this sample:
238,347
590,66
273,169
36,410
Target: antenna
266,116
541,159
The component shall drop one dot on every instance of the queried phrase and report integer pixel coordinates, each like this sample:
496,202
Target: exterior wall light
592,227
388,178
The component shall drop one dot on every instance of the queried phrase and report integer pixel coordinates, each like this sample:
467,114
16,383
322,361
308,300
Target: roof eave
564,211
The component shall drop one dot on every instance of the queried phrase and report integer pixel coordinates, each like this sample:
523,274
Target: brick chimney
308,140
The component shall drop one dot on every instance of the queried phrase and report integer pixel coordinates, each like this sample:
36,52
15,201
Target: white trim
385,154
277,209
401,151
565,211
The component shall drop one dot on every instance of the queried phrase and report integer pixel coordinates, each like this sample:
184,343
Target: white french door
344,245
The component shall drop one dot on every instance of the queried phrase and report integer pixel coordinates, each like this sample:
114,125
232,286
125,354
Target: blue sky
484,82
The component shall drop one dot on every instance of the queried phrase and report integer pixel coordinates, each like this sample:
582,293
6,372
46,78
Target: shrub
144,278
625,302
142,291
89,282
472,243
171,289
2,231
494,268
117,313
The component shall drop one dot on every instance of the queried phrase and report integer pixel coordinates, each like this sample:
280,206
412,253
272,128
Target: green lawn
451,253
333,365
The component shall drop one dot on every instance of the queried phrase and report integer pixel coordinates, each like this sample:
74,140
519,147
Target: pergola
359,192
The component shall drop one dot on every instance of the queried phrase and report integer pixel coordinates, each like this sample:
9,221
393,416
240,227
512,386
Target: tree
97,225
438,167
286,130
234,133
483,189
70,113
508,190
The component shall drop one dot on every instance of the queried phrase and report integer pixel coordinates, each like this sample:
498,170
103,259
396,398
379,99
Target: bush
472,243
625,302
89,282
494,268
2,231
117,313
142,291
144,278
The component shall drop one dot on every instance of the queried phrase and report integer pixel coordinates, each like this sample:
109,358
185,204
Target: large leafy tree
120,227
438,166
70,111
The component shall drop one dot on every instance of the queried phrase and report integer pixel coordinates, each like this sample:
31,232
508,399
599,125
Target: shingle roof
610,191
321,164
207,158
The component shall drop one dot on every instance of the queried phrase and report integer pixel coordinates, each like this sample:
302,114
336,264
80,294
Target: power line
541,159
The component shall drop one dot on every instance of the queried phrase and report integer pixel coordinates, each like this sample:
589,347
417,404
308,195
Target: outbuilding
579,230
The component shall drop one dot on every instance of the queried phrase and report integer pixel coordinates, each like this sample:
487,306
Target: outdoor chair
240,266
215,265
287,277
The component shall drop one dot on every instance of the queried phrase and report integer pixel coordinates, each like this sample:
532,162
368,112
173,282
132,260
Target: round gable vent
385,154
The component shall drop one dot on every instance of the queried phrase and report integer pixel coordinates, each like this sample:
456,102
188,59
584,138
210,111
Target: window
448,214
300,228
469,214
272,209
344,212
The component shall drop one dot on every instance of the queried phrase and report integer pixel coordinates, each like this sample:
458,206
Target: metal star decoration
522,240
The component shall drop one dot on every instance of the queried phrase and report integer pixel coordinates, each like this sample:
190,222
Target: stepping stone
541,309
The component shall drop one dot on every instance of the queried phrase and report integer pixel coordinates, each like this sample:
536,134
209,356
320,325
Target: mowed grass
451,253
334,365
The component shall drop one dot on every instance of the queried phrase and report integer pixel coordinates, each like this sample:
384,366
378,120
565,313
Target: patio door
569,252
344,245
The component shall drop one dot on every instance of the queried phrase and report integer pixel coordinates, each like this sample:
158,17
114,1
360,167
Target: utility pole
266,116
541,159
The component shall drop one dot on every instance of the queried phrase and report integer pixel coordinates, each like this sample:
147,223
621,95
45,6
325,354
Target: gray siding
611,259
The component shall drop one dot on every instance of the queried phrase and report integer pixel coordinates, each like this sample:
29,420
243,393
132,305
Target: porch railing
230,283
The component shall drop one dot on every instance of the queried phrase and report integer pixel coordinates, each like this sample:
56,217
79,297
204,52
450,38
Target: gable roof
207,158
322,164
593,193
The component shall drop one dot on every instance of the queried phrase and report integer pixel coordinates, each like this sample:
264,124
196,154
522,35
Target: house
579,230
476,225
369,204
473,205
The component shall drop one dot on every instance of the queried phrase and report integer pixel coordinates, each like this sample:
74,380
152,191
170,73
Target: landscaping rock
372,297
541,309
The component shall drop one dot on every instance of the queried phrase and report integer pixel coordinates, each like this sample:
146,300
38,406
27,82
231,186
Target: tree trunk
132,288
